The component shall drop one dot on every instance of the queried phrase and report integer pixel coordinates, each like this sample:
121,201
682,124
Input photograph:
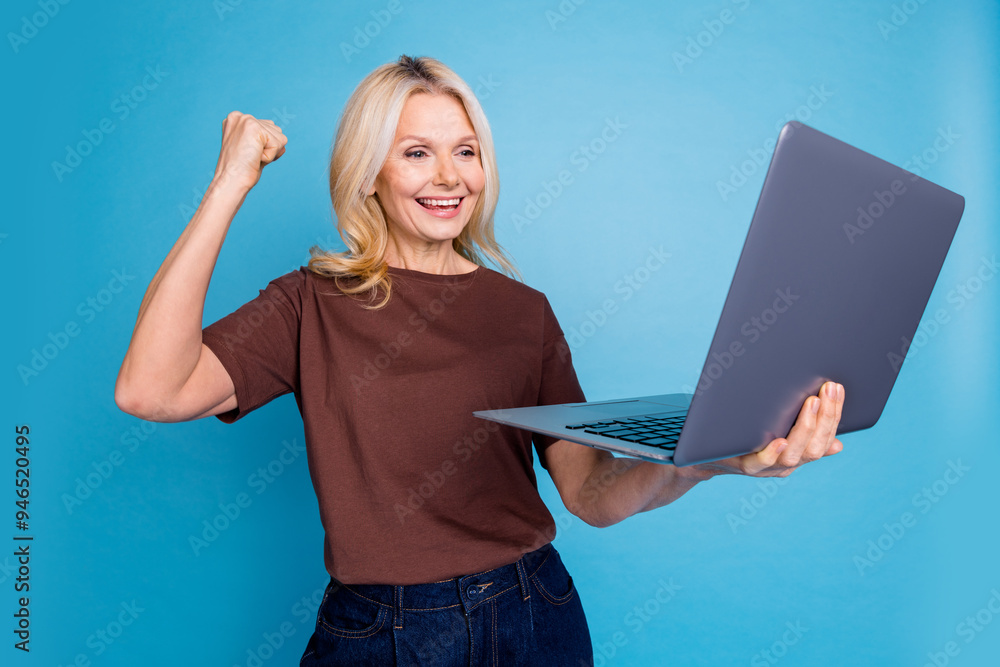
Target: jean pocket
552,581
345,614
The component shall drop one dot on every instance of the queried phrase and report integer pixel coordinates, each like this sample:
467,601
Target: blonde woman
437,542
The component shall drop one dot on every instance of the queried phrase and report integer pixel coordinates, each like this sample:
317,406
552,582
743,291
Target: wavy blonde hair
365,135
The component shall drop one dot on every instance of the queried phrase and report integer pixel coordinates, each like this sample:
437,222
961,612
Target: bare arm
168,374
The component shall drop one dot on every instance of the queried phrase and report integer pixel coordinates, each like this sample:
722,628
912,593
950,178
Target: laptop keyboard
651,430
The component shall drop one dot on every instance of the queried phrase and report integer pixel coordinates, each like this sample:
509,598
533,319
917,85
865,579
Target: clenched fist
247,145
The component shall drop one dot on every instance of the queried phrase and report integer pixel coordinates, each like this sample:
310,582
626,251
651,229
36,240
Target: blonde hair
365,135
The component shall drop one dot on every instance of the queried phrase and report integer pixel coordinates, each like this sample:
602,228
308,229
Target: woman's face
431,181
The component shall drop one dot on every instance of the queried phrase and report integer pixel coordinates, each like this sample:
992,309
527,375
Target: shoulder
302,281
509,286
531,303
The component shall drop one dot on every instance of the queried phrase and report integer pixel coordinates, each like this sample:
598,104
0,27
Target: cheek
402,182
475,179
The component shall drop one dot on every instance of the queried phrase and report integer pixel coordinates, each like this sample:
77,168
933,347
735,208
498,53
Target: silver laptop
836,270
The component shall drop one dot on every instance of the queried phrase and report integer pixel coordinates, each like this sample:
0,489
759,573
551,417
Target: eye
416,153
467,152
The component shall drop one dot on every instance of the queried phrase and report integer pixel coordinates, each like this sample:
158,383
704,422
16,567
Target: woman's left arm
603,489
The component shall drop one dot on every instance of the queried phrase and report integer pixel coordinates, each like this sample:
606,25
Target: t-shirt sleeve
559,382
258,344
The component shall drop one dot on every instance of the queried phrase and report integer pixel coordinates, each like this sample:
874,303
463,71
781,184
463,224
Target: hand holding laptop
813,436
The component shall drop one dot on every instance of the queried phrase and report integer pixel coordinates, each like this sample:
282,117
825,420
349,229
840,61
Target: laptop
836,270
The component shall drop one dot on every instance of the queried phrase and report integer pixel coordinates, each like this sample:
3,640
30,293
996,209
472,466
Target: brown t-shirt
411,487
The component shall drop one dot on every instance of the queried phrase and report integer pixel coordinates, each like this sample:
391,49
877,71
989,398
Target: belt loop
522,579
397,609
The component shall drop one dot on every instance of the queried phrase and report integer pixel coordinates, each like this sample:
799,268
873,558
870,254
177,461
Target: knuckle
790,460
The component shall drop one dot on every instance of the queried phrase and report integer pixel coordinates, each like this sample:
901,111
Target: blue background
550,80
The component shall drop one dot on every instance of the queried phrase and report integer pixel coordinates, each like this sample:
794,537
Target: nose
446,173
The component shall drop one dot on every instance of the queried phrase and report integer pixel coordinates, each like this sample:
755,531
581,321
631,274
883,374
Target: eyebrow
423,140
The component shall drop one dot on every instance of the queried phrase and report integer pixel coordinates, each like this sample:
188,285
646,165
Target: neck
440,259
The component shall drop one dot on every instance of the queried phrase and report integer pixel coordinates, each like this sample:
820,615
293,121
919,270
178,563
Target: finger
835,447
274,145
826,423
273,133
274,155
271,153
841,397
230,117
801,433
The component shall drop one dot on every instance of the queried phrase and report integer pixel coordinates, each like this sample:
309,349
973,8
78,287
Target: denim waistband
462,593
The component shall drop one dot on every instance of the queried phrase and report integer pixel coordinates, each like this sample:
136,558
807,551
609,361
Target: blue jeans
525,613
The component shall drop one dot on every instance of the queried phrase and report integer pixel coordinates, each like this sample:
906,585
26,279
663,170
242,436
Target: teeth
439,202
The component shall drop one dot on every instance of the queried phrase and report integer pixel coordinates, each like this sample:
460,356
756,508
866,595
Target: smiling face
432,178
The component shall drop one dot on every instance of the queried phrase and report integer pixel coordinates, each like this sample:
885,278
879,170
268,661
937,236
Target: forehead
438,117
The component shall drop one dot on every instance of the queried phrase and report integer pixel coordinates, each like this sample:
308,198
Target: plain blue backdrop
659,114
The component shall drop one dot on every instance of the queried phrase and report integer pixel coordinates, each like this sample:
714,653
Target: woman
437,542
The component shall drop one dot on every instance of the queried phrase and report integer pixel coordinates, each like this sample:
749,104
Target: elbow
592,518
129,402
134,403
602,522
125,399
